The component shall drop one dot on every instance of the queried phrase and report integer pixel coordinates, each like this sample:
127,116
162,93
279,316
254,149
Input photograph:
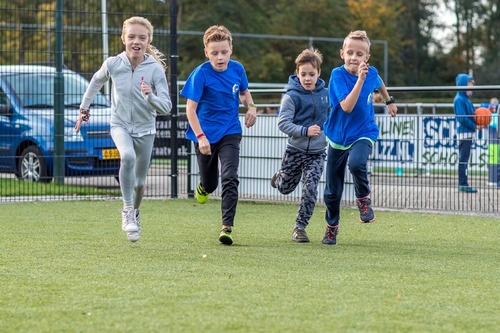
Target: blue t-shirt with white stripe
217,95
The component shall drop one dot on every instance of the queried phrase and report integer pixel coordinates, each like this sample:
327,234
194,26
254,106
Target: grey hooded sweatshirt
131,109
301,108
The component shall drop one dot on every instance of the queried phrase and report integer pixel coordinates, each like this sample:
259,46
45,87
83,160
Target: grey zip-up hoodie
301,108
131,109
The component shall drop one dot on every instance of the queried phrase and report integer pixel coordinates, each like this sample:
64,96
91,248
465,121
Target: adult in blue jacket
466,129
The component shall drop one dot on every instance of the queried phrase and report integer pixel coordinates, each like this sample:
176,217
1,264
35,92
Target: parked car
27,126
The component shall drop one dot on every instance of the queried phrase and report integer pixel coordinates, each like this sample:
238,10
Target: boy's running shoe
366,214
200,194
300,235
225,236
330,237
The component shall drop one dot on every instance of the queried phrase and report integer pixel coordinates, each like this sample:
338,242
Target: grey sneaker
134,236
366,214
300,235
331,233
129,222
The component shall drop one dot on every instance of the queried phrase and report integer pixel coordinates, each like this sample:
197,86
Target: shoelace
300,233
130,217
332,232
363,206
201,190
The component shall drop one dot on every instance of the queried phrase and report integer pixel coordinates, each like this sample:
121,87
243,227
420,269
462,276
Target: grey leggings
135,157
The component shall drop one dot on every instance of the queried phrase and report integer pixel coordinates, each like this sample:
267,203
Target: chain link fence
413,166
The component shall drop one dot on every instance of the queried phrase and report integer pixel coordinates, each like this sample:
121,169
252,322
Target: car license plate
110,154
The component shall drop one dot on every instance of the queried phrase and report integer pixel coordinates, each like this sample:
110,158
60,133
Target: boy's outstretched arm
392,108
251,114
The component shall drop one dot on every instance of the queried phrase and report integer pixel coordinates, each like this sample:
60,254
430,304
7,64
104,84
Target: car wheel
32,167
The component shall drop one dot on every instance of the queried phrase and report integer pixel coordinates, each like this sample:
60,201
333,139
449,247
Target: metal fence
413,166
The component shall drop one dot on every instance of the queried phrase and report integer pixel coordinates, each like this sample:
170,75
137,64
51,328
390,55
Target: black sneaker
273,180
300,235
330,237
366,214
225,236
467,189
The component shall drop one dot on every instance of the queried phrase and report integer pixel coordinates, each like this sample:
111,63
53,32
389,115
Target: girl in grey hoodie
139,92
303,111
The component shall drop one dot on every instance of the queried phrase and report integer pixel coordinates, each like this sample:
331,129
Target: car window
37,89
3,102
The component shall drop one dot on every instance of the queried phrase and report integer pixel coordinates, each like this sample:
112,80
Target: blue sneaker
366,214
467,189
330,237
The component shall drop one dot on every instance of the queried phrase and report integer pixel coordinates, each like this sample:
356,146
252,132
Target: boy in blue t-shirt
213,91
351,129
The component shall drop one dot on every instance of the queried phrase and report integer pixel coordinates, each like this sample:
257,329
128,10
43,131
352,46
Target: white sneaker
492,184
134,236
129,222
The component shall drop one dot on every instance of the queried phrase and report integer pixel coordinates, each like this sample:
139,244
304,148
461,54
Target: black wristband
390,100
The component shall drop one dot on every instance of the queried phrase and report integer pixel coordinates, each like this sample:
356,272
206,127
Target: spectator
466,130
494,146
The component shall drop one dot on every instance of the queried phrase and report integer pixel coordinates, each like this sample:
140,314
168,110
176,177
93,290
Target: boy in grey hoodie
303,111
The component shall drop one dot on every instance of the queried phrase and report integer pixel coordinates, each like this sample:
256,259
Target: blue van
27,126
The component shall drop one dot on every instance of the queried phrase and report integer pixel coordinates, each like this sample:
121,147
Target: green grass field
14,188
67,267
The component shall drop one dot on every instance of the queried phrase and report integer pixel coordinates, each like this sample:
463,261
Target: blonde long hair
153,51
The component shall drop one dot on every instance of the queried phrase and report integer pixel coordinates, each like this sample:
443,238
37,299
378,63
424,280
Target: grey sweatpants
297,166
135,158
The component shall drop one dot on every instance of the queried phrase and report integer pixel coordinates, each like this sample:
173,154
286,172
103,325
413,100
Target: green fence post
59,99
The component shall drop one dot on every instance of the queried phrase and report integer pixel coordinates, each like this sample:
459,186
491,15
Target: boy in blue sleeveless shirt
351,129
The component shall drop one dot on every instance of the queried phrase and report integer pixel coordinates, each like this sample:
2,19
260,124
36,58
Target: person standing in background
494,146
466,130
